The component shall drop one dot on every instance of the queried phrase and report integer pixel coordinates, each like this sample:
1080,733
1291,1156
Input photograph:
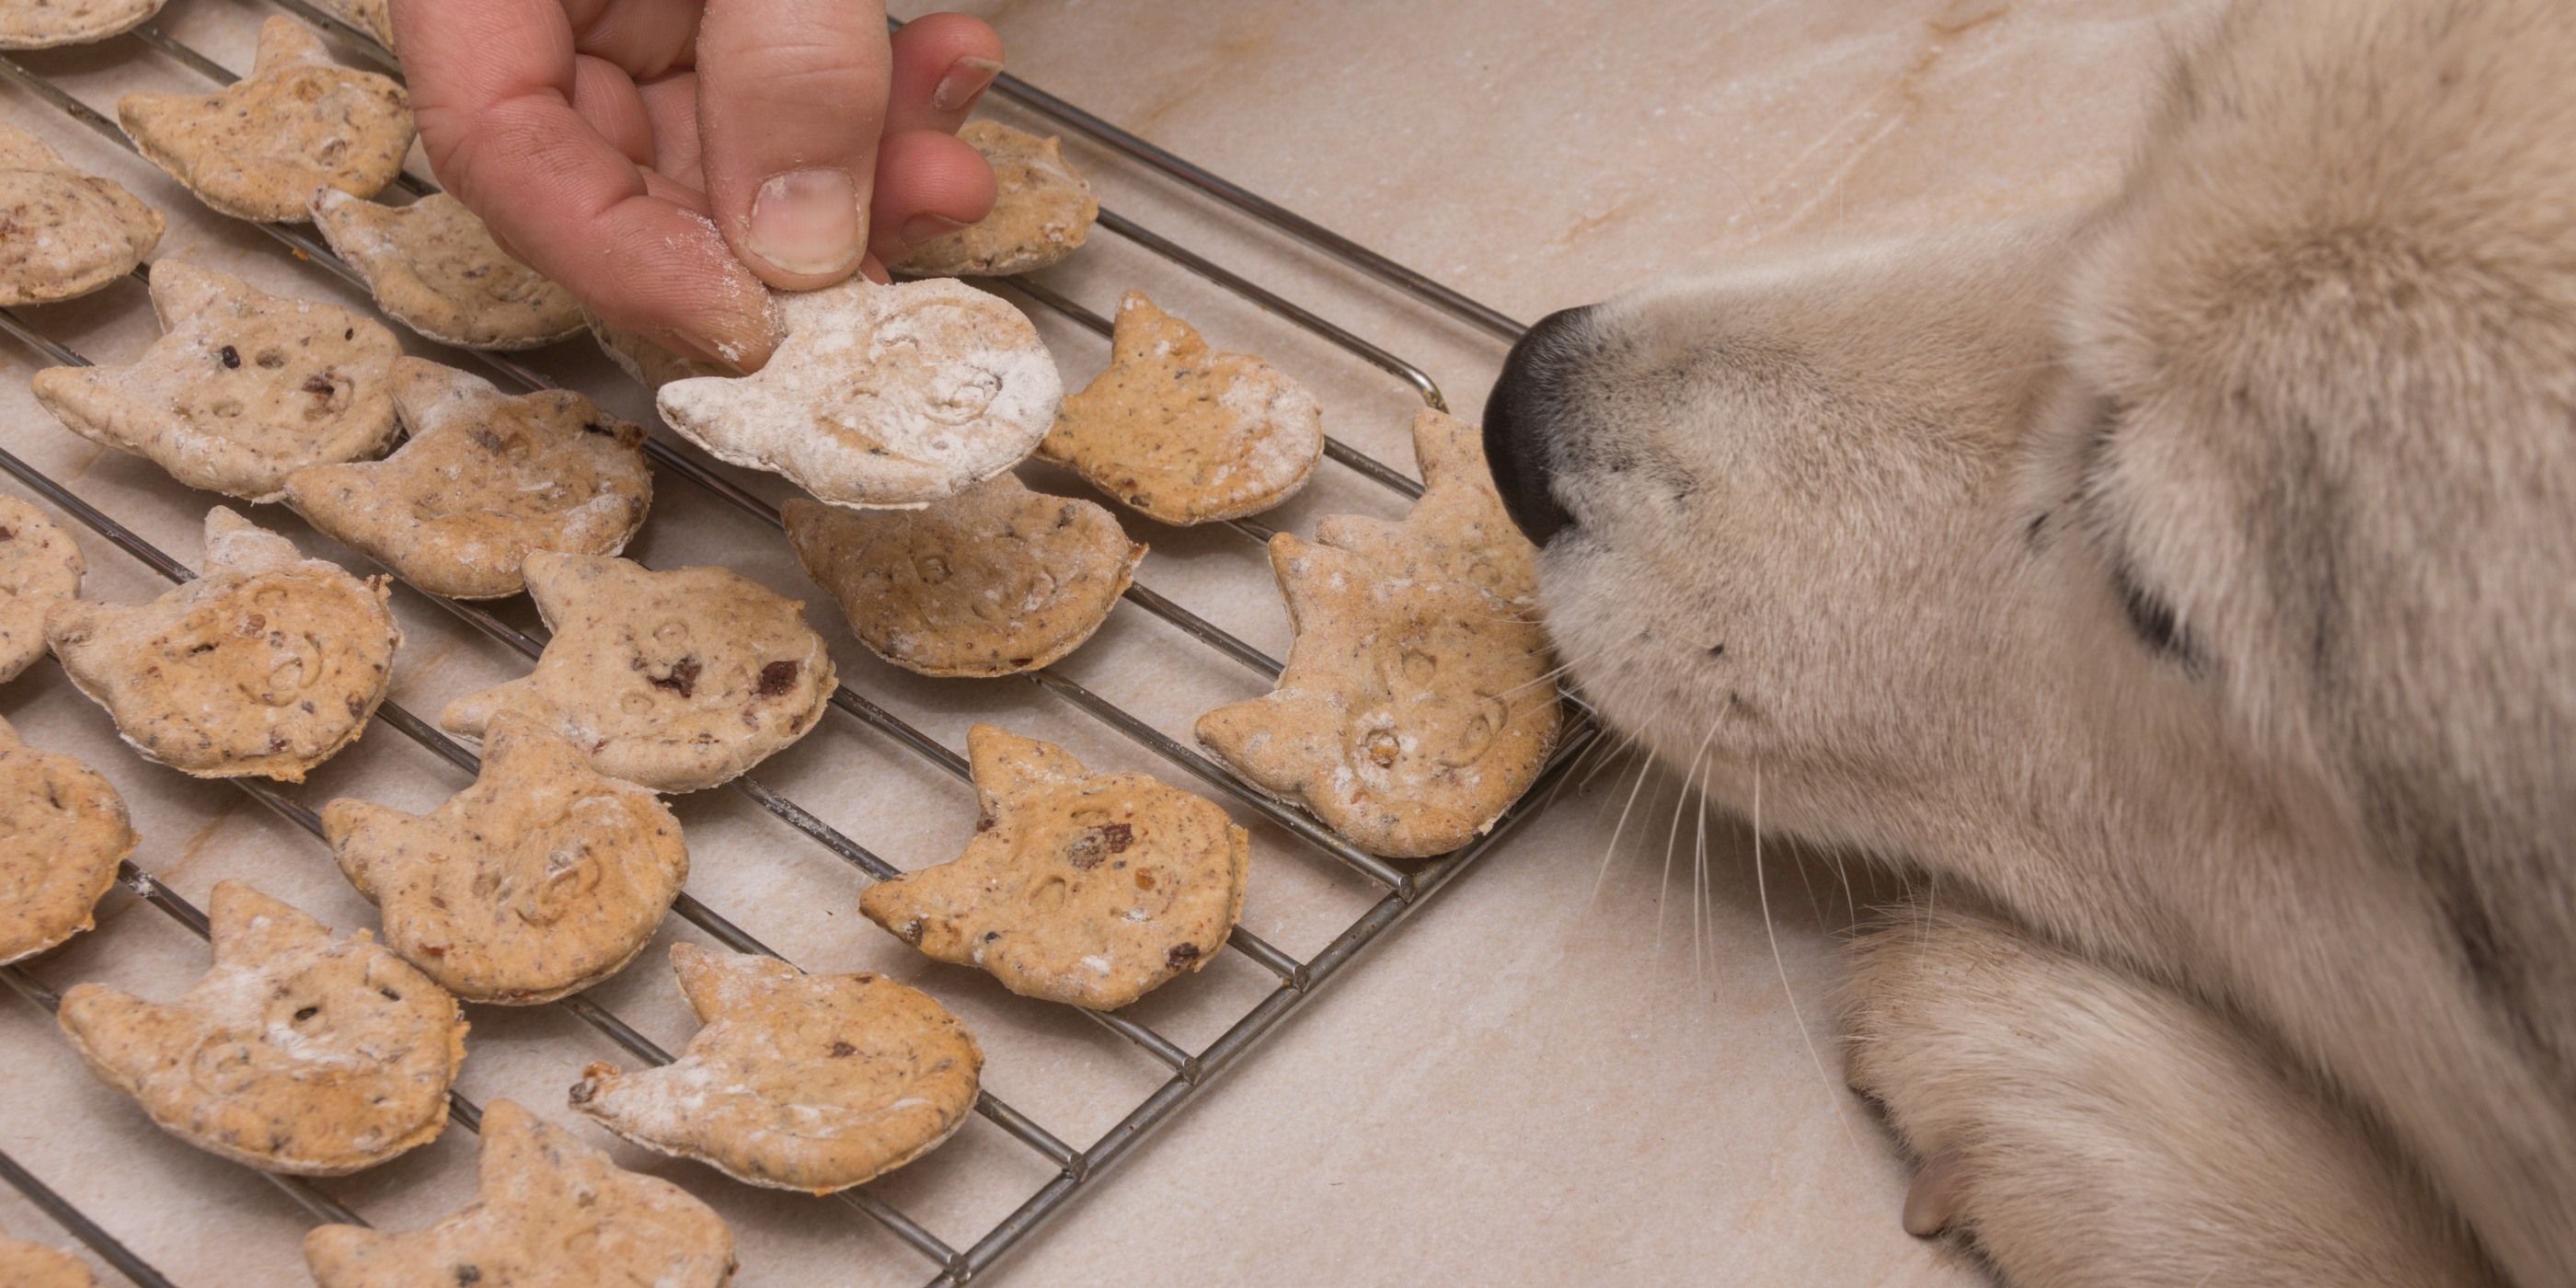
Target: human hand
664,160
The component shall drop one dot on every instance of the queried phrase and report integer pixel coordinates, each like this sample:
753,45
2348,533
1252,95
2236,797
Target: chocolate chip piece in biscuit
43,24
881,396
797,1082
63,830
1410,714
662,678
1033,901
241,390
63,233
299,121
485,480
541,879
1185,434
435,266
1041,211
40,567
268,663
296,1053
547,1210
994,580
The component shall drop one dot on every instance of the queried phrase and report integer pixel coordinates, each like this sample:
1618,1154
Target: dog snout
1521,420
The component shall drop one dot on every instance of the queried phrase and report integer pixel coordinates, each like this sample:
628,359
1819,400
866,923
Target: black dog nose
1518,416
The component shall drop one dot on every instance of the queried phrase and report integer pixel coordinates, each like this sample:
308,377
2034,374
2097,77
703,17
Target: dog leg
2084,1127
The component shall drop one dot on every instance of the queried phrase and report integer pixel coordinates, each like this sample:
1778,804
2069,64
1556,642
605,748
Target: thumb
791,99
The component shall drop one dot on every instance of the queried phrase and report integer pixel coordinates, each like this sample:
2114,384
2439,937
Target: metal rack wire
1191,1072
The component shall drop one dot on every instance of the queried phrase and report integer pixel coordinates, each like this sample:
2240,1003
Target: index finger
492,85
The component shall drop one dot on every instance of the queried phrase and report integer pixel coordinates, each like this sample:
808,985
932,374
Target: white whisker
1781,965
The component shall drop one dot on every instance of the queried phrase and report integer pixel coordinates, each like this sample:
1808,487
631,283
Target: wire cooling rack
1405,887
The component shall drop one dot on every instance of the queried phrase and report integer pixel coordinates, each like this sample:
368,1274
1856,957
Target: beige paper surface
1581,1063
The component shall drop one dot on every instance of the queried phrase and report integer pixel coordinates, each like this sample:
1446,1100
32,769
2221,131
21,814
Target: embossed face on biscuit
485,480
547,1209
676,680
43,24
65,233
1183,433
63,830
1089,889
435,266
797,1082
241,390
40,567
1410,714
541,879
299,121
881,396
992,581
268,663
1042,210
296,1053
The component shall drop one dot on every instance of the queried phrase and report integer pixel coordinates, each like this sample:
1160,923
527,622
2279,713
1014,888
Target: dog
2185,591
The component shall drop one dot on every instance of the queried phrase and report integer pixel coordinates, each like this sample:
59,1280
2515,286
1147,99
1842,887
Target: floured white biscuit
541,879
241,390
484,480
548,1212
267,663
43,24
1183,433
33,1265
1041,211
881,395
374,17
650,364
63,233
1457,531
40,566
992,581
797,1082
296,1053
435,266
1410,715
677,680
63,830
257,149
1091,889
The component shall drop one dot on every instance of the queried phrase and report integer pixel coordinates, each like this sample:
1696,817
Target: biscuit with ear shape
63,830
44,24
650,364
297,1052
1410,715
797,1082
1182,433
992,581
484,480
267,663
40,566
257,149
547,1210
33,1265
540,880
677,680
1083,888
1457,531
66,233
881,396
241,390
435,266
1041,210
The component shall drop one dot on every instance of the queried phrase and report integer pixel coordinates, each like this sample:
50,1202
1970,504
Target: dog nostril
1519,414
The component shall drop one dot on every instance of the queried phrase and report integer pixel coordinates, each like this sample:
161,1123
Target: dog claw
1934,1201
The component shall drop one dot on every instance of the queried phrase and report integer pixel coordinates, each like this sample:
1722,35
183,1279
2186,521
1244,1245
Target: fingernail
807,221
966,78
925,226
